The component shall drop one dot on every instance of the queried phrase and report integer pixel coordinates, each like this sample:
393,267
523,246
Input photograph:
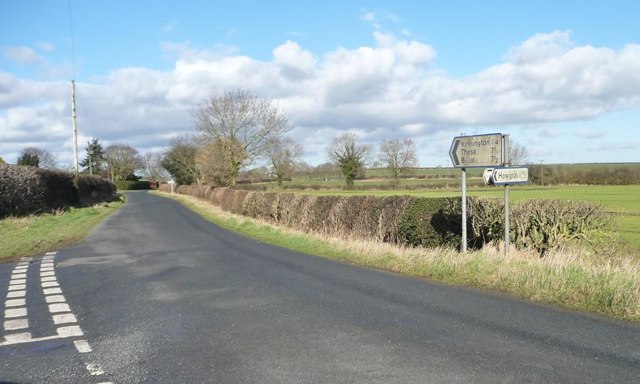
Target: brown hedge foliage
425,222
29,190
382,219
94,189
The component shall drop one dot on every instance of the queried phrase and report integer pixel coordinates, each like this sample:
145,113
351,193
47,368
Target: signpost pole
463,242
505,147
474,151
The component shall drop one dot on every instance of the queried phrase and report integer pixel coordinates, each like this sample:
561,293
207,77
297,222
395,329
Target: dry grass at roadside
607,286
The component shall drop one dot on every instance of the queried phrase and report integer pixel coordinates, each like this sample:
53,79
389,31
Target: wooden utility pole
75,128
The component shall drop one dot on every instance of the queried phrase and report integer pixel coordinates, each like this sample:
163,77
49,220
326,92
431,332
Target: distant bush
27,190
132,185
94,189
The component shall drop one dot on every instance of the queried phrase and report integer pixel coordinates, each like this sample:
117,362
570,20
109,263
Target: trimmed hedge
29,190
94,189
132,185
425,222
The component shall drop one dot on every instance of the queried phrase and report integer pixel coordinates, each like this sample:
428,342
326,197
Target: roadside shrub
132,185
538,225
543,225
486,216
28,190
431,223
94,189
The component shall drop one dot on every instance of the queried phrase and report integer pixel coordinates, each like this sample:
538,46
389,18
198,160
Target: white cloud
21,55
387,89
169,27
46,46
589,134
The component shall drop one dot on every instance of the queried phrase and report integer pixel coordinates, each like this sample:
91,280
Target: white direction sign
477,151
504,176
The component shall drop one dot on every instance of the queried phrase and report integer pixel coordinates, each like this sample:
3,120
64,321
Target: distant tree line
584,174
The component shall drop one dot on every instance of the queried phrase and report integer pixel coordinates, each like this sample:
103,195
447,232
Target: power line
73,44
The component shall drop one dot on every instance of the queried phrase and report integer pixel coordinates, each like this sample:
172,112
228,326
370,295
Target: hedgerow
414,221
29,190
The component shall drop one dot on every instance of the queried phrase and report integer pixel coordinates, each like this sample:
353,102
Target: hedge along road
161,295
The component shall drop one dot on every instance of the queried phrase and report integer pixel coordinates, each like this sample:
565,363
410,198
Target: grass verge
38,234
572,280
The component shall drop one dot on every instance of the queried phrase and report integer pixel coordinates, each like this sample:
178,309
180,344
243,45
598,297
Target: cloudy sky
561,77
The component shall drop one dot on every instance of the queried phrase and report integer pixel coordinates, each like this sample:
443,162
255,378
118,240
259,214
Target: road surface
156,294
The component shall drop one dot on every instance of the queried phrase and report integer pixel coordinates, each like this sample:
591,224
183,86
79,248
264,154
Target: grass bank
38,234
588,283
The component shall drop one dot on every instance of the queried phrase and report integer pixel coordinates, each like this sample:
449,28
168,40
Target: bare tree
518,154
240,117
152,167
180,160
122,161
282,154
348,155
399,157
217,161
45,158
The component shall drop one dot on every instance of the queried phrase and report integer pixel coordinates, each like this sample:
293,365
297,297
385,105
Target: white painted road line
52,291
15,303
16,313
13,325
54,299
70,331
82,346
65,318
11,313
17,338
59,307
24,339
18,276
14,294
94,369
17,287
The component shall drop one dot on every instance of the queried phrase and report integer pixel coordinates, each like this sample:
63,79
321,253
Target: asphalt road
156,294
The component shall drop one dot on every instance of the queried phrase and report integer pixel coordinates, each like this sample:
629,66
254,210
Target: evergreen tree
28,159
94,159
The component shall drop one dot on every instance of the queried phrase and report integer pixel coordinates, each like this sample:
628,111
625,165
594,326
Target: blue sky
562,78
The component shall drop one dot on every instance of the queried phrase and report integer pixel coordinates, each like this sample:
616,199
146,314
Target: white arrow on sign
476,151
504,176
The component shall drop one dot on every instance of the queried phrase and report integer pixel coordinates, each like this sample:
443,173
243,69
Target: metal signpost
476,151
506,176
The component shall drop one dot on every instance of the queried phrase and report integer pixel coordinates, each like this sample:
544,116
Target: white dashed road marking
16,324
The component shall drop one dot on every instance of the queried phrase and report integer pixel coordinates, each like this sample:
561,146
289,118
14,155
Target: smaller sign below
509,176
